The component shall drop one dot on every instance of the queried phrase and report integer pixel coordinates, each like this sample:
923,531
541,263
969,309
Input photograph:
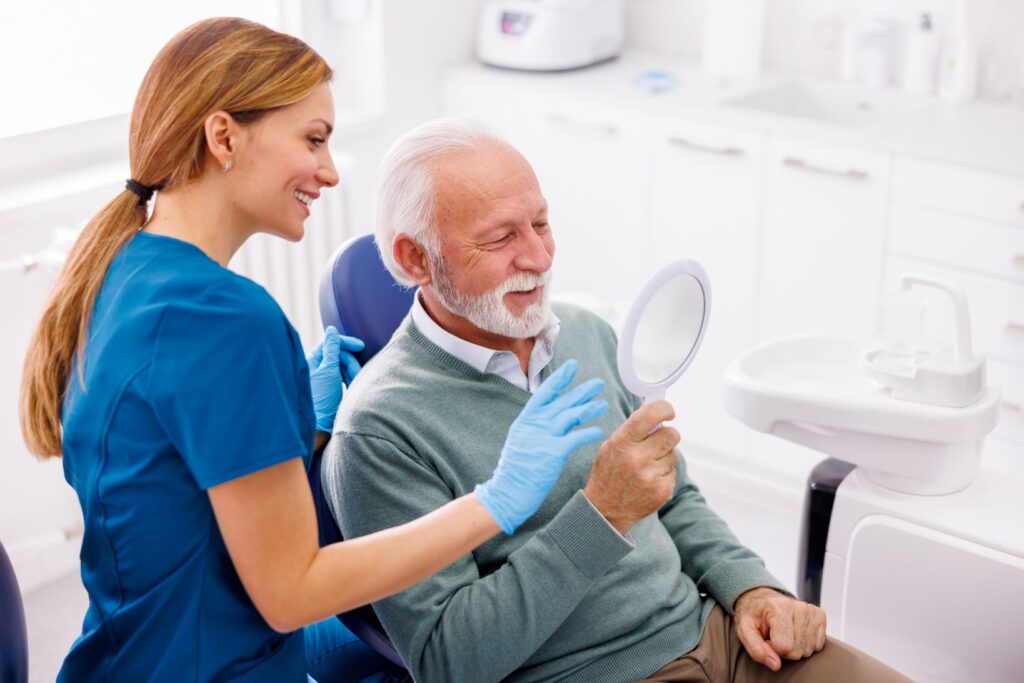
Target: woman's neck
199,214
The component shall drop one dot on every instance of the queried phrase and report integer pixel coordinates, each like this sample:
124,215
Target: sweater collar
491,361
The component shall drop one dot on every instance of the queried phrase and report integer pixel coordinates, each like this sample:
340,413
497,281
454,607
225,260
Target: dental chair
13,632
360,298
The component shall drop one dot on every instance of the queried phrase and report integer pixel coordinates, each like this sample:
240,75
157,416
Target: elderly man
624,573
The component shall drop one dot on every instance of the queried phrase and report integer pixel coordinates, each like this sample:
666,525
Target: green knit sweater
566,598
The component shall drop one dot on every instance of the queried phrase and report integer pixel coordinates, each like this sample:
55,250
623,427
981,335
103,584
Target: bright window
66,61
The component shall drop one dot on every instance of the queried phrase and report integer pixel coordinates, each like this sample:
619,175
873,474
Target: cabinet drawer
1010,379
996,309
958,241
966,191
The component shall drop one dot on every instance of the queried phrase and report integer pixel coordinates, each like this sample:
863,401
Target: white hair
405,195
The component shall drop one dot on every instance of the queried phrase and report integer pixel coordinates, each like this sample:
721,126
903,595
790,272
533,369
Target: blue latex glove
331,364
539,444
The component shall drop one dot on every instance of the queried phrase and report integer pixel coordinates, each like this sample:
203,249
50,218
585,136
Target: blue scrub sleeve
230,384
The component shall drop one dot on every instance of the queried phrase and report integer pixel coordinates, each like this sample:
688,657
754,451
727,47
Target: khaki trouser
720,657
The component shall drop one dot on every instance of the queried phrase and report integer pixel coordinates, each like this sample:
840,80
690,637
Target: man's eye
501,241
316,140
541,227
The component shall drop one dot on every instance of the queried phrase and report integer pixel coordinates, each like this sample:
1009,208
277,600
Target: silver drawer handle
849,174
1015,328
605,129
1012,408
697,147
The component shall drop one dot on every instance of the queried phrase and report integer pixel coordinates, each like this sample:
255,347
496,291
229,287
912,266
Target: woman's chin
292,233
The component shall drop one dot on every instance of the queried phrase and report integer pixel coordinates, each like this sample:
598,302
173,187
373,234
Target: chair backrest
359,297
13,632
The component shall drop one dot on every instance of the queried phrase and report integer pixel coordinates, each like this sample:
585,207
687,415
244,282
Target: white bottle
958,71
922,58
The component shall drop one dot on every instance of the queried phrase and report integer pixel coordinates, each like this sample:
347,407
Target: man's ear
222,133
412,258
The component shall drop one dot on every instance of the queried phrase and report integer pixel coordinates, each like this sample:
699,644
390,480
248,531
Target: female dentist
179,397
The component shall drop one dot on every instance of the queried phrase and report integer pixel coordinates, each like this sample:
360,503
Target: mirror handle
658,395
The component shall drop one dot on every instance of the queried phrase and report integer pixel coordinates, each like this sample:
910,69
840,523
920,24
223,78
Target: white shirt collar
505,364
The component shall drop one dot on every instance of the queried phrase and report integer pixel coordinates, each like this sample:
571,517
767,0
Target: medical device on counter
911,539
550,35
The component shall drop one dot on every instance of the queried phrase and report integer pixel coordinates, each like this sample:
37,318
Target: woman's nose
327,174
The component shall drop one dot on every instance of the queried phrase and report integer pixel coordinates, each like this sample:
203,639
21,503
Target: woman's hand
331,365
539,444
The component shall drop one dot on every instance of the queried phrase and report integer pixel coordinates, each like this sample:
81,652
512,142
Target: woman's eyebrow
330,128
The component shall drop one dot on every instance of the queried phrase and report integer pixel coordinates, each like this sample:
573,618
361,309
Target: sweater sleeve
467,623
710,554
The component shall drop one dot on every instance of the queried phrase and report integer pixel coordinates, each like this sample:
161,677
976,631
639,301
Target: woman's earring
228,166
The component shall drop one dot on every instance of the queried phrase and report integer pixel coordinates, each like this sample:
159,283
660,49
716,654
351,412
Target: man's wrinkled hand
772,625
634,473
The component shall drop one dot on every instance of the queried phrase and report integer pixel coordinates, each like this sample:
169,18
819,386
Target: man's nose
536,254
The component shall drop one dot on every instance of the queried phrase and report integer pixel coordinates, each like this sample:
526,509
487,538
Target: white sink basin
834,103
810,390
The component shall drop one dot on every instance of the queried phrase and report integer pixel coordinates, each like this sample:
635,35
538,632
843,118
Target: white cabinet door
592,164
823,239
705,205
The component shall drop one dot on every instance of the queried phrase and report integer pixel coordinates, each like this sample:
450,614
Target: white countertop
982,135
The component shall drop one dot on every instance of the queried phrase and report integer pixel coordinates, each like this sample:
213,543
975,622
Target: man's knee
838,661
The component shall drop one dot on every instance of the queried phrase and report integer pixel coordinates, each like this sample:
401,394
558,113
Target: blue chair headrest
360,297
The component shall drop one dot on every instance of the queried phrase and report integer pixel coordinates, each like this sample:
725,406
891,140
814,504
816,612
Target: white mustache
523,282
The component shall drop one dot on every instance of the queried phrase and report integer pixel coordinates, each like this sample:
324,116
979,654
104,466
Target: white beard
489,312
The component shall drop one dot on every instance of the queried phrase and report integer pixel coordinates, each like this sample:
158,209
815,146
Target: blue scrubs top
193,377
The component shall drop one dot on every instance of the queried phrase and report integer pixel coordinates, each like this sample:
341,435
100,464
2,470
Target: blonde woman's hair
222,64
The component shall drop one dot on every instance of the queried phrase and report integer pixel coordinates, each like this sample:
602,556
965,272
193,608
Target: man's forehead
484,181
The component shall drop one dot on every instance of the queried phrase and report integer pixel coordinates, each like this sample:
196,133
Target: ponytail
64,327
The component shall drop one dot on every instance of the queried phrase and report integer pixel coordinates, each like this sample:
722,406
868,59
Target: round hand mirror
664,329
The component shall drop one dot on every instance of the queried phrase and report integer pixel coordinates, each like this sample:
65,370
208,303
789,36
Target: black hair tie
143,192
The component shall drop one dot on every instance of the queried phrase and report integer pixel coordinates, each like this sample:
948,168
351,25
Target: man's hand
770,625
634,473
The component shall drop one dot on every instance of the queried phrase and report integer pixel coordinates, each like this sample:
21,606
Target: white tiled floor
54,613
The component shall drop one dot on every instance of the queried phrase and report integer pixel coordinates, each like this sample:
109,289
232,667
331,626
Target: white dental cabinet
804,200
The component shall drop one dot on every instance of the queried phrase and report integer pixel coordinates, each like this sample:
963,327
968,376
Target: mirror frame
654,391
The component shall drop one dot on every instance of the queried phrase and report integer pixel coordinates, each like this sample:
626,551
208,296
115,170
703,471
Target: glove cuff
496,506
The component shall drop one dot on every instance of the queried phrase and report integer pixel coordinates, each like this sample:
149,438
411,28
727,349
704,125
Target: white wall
802,36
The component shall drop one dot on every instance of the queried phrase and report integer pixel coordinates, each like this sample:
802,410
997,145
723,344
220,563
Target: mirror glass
668,329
